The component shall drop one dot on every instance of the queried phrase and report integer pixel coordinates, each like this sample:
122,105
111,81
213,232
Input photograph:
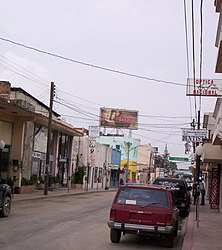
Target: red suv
144,210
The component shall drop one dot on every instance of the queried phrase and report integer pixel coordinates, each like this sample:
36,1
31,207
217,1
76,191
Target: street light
128,152
199,152
2,145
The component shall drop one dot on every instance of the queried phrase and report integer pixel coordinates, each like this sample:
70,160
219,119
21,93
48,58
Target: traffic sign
178,159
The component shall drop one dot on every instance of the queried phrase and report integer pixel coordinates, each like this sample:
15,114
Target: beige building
145,164
212,148
23,128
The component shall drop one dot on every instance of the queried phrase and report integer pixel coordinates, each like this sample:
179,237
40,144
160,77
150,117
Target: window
142,197
95,174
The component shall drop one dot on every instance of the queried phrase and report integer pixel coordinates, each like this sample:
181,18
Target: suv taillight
112,214
169,220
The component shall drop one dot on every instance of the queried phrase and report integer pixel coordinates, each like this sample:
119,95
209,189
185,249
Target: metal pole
127,167
49,139
198,176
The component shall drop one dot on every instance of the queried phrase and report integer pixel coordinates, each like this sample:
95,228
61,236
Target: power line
193,42
91,65
201,46
187,51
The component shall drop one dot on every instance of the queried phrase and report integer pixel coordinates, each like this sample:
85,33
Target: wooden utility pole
49,139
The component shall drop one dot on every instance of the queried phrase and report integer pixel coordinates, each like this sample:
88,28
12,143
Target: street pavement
205,235
39,194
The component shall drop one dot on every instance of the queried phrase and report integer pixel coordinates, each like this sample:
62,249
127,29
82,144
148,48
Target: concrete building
23,128
128,148
145,164
212,154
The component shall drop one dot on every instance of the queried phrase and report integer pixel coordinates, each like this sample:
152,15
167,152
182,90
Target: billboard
204,87
118,118
5,89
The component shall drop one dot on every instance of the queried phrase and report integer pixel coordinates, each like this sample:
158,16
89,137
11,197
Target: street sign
178,159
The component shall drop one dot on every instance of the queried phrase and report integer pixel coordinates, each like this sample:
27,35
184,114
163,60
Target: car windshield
143,197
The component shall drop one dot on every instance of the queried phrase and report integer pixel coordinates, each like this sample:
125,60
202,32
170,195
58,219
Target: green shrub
55,179
26,182
77,177
41,179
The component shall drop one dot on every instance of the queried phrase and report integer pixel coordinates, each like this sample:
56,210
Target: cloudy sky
128,54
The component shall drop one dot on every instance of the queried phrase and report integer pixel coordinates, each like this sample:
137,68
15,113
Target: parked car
181,191
5,200
144,210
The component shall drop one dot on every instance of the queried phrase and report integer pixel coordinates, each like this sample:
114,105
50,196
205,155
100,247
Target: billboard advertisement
118,118
204,87
5,89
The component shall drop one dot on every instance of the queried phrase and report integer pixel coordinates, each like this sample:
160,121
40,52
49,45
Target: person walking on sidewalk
194,193
203,192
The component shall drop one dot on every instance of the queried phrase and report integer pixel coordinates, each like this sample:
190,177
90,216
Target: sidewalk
39,194
208,234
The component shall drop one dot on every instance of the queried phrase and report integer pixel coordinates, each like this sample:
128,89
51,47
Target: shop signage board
204,87
94,131
191,135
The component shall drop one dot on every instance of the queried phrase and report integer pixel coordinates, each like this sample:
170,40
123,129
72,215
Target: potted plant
77,177
55,180
41,183
27,185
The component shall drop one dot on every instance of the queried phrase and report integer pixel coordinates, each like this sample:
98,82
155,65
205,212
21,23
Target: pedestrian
194,193
121,181
203,192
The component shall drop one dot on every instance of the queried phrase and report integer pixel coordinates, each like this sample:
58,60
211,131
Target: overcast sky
140,37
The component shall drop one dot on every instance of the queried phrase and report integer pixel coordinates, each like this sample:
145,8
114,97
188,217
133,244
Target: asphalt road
77,222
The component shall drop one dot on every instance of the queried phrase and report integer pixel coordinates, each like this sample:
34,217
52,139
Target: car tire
176,230
6,207
115,235
169,240
185,212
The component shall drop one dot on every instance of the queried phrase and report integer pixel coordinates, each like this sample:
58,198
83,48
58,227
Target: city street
68,222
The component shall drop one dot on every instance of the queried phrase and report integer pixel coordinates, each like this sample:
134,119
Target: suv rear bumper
137,228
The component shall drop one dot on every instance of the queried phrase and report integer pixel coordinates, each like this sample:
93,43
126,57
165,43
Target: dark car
5,200
144,210
181,192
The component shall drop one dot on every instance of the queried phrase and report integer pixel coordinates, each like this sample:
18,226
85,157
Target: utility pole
52,92
198,156
127,165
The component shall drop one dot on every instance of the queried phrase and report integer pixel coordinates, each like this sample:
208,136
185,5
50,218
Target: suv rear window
172,184
142,197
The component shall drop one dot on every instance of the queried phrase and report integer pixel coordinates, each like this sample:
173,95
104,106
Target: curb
56,194
188,238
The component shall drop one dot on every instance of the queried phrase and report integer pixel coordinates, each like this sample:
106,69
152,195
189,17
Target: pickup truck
5,200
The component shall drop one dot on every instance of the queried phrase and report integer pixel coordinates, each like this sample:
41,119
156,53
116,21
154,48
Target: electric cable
91,65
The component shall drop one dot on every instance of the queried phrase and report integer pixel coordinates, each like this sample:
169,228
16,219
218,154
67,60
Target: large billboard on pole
118,118
204,87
